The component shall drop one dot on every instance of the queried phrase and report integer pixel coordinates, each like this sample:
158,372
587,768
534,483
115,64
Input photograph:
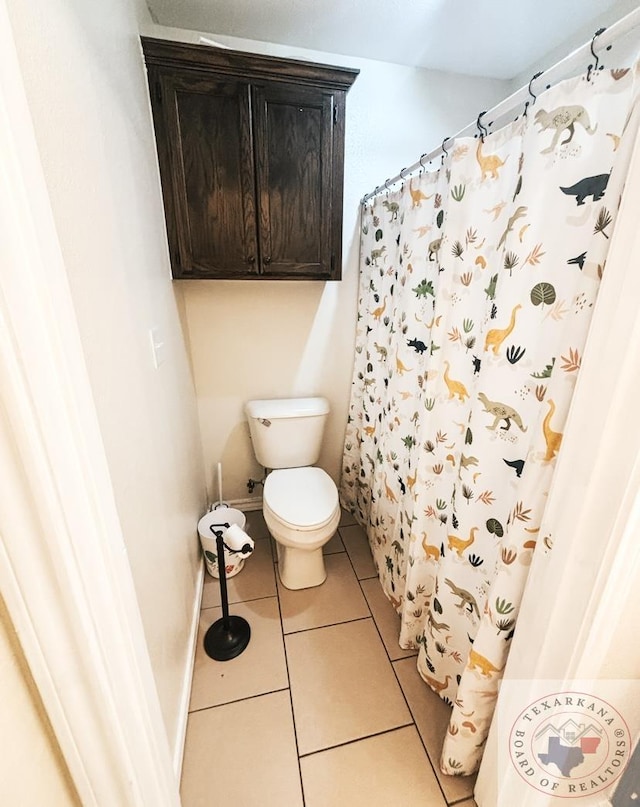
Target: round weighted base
223,644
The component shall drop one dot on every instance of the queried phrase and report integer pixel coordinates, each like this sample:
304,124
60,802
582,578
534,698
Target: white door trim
64,572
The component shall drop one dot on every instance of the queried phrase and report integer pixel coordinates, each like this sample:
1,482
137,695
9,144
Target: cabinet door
293,134
206,162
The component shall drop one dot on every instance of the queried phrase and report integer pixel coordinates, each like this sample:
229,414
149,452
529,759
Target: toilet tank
287,433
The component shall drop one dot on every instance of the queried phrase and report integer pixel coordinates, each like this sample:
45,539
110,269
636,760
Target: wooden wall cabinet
251,154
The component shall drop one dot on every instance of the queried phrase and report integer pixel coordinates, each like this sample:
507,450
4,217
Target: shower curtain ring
533,78
445,153
386,184
594,67
482,130
528,103
422,167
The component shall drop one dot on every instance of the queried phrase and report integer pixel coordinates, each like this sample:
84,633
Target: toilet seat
302,511
301,499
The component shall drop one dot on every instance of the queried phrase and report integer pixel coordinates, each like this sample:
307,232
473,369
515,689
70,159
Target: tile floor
323,708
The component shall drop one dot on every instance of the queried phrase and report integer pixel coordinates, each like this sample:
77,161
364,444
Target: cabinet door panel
212,175
294,150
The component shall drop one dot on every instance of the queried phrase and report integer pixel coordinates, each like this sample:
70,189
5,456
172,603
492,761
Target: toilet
300,502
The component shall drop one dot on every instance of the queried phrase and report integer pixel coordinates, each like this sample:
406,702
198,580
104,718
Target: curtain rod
603,39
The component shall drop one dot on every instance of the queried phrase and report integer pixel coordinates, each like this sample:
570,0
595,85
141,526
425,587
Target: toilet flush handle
265,422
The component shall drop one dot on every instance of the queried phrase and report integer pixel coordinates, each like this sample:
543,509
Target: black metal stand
228,636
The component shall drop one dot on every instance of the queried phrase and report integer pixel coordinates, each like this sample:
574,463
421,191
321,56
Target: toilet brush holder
229,635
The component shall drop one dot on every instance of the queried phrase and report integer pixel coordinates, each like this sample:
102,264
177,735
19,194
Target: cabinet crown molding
167,53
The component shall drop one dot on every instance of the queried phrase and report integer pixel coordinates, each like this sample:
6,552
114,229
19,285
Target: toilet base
300,568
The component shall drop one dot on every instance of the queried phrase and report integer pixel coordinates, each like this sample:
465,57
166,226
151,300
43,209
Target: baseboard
183,714
253,503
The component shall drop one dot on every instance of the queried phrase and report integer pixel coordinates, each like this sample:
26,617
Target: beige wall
278,339
86,88
32,771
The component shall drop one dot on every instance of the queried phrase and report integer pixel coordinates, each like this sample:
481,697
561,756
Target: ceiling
497,38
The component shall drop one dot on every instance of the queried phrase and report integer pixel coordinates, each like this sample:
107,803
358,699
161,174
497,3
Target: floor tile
242,754
338,599
390,769
260,668
256,526
256,579
333,545
386,619
356,543
346,518
466,803
431,715
342,685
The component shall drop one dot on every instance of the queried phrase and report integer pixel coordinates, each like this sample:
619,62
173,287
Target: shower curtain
477,287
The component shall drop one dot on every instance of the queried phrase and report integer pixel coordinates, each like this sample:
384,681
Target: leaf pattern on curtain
477,286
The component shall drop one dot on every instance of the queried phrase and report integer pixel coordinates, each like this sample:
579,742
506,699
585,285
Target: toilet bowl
300,500
302,511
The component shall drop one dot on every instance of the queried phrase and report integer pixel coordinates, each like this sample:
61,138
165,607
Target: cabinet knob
267,260
251,259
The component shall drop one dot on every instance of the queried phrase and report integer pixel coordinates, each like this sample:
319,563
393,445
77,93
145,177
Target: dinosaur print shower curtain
477,287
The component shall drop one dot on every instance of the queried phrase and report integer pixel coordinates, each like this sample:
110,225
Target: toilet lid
303,497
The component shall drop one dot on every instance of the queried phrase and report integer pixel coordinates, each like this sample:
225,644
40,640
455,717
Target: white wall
286,338
86,87
32,771
623,52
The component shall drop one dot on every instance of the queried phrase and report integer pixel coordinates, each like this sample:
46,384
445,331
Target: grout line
370,611
354,523
358,739
239,602
284,635
370,577
331,625
433,761
286,661
436,772
391,662
238,700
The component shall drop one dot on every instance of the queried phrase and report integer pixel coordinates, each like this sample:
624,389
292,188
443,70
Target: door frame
64,572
